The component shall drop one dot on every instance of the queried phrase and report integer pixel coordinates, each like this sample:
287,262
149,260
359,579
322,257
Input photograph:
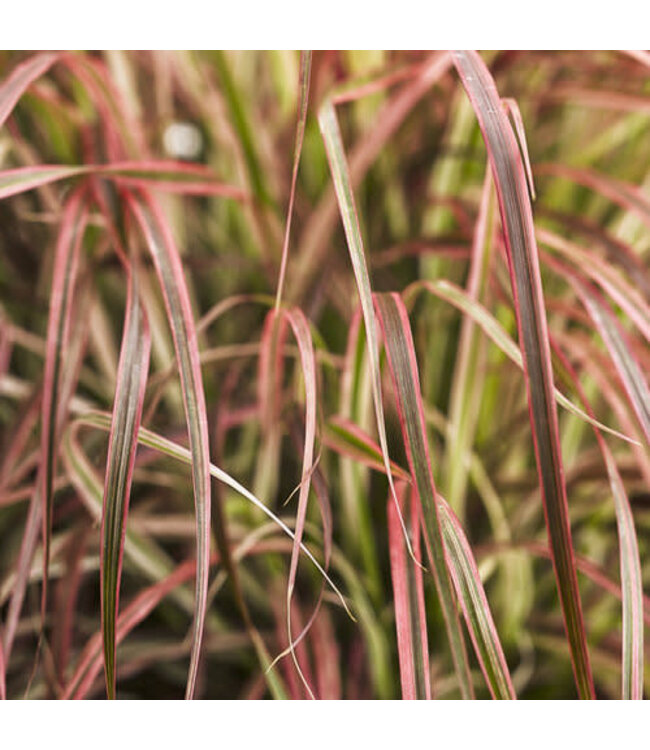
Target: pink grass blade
269,396
476,610
64,277
132,374
627,366
23,569
410,616
19,80
517,219
171,177
67,599
23,179
331,133
179,311
630,564
400,351
300,328
303,104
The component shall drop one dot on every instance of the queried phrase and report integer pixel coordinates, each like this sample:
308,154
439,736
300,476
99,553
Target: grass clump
324,374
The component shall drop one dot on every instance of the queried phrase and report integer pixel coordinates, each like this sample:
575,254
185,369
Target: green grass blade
127,412
343,187
142,554
471,595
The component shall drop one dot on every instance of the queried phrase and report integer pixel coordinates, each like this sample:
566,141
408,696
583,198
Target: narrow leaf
179,311
302,334
627,366
517,219
127,412
21,77
406,383
410,616
171,177
472,598
303,102
52,409
3,680
343,187
15,181
630,565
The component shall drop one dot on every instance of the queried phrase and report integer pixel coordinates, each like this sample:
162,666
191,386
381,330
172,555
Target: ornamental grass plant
324,375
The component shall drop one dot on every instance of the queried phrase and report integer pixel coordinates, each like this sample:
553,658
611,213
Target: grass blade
52,409
179,311
300,328
630,566
21,77
16,181
471,595
90,662
314,239
517,219
143,554
410,616
171,177
127,412
401,358
627,366
343,187
303,103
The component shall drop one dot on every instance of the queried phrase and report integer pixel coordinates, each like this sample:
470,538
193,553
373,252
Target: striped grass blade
179,311
408,589
400,350
132,374
630,563
523,262
66,262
